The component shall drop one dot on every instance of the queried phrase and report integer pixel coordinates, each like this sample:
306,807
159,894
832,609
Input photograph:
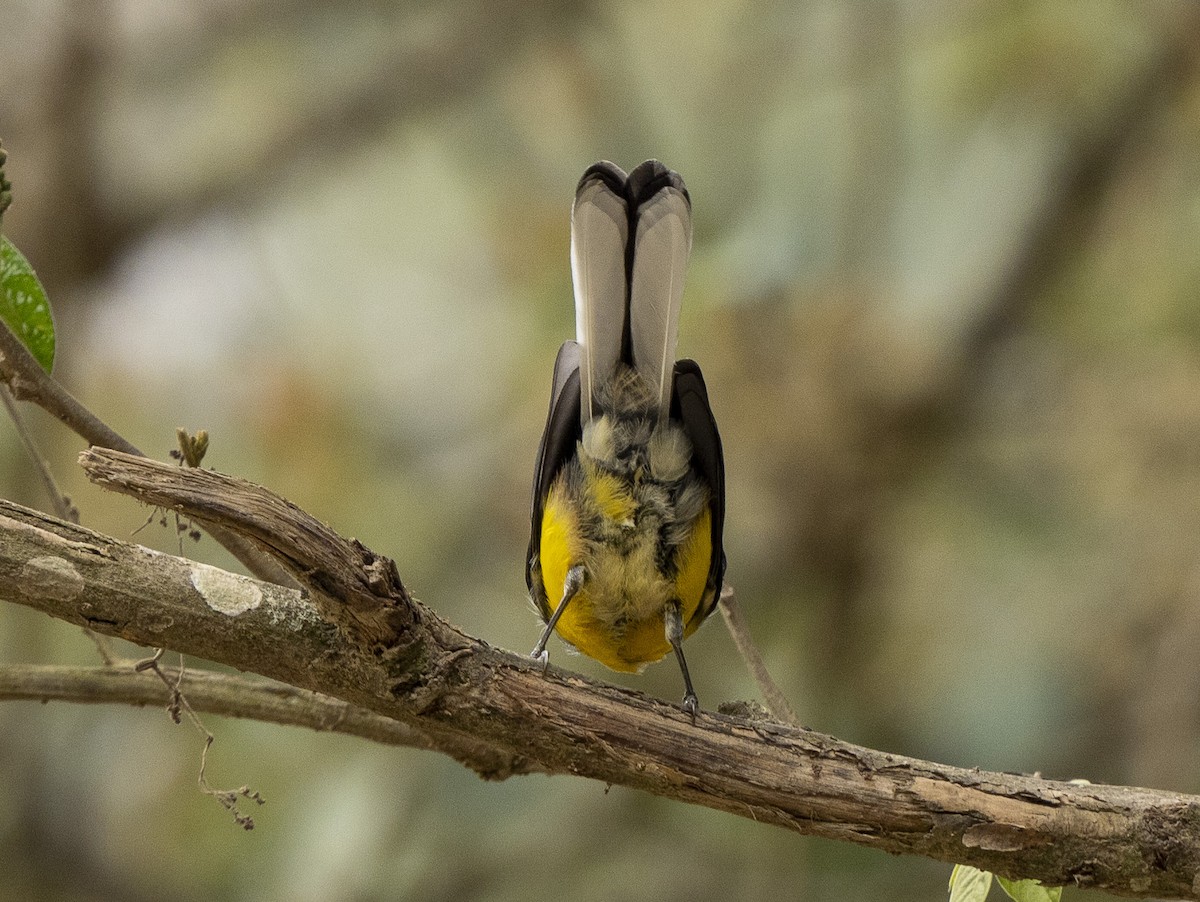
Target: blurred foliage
944,289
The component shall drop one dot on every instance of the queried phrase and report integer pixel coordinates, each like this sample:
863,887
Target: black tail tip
610,173
646,180
651,177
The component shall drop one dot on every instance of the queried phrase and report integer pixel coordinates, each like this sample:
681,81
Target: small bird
625,555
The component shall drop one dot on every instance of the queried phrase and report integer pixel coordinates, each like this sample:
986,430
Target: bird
625,555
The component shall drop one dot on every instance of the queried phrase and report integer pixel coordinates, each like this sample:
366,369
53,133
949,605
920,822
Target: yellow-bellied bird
625,557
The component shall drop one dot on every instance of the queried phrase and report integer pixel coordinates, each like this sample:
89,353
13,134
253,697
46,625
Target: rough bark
499,714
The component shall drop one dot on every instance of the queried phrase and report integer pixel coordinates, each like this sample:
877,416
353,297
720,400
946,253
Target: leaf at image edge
23,304
968,884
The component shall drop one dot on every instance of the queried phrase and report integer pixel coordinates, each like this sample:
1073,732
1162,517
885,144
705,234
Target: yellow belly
617,617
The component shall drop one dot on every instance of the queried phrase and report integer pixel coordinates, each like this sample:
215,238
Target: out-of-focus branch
439,53
60,502
1064,219
890,436
735,623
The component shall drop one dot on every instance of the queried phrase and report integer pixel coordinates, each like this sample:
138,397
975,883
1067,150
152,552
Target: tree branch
27,381
207,692
466,696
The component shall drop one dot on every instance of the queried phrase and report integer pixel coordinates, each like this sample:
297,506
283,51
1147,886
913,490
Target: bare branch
361,584
207,692
27,381
457,690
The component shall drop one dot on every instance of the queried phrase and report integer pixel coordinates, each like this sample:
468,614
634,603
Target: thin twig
61,503
104,646
29,382
735,622
178,706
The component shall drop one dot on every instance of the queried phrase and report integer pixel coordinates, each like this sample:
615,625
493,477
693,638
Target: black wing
563,430
690,407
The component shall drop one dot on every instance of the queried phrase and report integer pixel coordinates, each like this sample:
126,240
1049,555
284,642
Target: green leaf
5,184
1030,890
23,304
968,884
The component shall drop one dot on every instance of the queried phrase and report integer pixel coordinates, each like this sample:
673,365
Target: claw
673,625
571,586
691,705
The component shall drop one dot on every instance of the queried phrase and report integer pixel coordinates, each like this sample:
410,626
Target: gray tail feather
630,240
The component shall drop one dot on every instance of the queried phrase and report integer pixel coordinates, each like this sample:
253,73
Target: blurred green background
945,289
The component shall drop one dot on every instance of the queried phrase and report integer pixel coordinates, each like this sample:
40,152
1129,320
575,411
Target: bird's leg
673,623
571,587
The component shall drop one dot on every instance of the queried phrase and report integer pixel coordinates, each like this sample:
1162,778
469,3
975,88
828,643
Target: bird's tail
630,240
